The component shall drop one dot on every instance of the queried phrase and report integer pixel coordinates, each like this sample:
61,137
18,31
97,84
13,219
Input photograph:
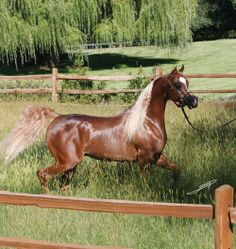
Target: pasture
199,57
202,157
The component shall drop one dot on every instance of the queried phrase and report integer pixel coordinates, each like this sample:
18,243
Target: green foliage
214,19
166,22
83,85
234,3
83,98
29,27
49,27
139,83
202,19
103,32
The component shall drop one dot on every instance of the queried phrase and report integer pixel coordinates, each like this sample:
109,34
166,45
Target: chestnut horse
137,134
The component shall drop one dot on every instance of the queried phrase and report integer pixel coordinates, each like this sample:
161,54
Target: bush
138,83
83,98
120,98
83,85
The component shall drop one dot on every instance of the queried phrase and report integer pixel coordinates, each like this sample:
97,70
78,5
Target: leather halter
179,103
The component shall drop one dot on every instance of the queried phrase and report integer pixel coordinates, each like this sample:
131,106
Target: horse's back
95,122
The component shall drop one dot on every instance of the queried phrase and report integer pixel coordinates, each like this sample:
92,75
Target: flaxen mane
137,113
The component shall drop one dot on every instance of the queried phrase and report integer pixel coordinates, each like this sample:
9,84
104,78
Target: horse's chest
152,142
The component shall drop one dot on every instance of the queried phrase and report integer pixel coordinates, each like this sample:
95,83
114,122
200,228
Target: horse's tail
31,122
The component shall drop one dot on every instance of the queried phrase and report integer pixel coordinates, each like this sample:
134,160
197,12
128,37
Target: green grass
202,157
199,57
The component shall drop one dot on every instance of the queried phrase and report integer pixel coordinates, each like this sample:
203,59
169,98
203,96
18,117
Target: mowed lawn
198,57
202,157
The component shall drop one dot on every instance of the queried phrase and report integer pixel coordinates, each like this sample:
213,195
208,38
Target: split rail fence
223,213
56,76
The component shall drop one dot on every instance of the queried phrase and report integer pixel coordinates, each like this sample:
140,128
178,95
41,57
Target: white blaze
183,80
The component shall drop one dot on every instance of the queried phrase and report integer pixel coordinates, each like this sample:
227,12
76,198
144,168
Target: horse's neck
156,111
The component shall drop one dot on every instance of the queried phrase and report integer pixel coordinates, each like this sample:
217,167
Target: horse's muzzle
190,100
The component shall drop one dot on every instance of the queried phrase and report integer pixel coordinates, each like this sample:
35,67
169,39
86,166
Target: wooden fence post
54,84
224,196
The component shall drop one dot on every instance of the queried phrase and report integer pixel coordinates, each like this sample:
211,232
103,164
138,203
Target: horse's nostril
195,102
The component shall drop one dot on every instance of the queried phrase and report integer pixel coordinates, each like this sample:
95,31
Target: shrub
83,98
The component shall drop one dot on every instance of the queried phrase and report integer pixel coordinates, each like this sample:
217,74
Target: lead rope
204,130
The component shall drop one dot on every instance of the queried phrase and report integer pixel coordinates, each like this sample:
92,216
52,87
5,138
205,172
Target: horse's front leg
144,159
164,162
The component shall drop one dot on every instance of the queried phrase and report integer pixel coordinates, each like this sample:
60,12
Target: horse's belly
109,151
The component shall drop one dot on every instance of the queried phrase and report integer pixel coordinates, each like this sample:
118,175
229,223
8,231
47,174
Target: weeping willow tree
119,25
161,22
47,27
166,22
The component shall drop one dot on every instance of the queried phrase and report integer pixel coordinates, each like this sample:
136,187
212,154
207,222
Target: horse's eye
177,85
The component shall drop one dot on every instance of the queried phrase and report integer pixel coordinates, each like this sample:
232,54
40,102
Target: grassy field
202,157
199,57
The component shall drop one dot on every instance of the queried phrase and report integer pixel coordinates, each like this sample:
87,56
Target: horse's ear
173,72
159,72
181,69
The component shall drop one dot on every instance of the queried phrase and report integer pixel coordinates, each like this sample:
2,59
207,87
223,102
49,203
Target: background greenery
214,19
198,57
44,30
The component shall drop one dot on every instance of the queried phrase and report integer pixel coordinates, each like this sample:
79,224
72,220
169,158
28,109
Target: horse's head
178,89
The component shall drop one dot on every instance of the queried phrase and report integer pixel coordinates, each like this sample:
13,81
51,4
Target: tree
214,19
47,27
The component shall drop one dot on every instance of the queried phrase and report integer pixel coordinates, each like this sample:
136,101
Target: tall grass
201,156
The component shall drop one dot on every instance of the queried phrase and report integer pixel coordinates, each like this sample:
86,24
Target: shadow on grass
94,61
109,61
24,70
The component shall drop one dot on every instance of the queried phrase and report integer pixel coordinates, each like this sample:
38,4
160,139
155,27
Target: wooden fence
223,213
56,76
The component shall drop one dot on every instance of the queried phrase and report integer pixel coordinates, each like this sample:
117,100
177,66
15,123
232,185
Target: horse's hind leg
66,178
66,144
46,174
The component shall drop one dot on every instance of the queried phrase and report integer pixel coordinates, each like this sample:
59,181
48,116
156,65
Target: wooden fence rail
55,77
38,244
111,206
223,213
